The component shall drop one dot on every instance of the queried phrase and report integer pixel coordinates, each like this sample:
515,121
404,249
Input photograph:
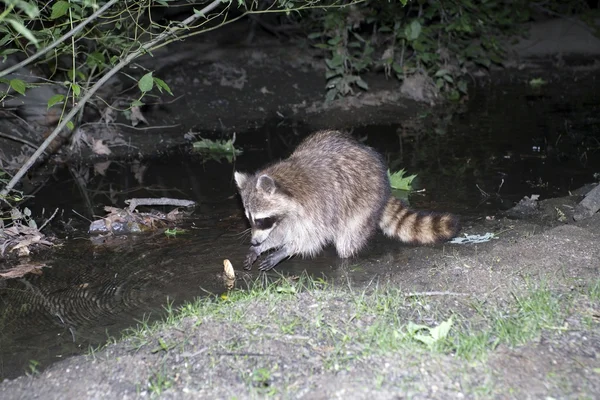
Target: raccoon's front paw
268,263
273,259
251,257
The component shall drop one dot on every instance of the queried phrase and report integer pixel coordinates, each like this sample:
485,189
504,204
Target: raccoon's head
265,202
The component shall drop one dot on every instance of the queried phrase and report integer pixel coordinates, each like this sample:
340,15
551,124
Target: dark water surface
508,142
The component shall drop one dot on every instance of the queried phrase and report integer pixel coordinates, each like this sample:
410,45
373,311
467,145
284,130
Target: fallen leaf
100,148
108,115
101,167
137,116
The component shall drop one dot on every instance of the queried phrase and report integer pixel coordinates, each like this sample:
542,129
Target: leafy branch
89,93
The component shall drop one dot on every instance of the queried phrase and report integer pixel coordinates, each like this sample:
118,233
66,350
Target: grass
256,332
369,322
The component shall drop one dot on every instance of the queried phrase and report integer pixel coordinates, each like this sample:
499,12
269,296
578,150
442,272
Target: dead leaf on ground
101,167
137,116
108,115
100,148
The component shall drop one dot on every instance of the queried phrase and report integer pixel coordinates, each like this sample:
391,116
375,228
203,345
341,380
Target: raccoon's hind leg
353,237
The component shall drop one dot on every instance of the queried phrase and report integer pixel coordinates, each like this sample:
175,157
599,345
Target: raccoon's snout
259,236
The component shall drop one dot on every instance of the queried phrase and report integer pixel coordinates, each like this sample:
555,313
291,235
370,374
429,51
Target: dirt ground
323,342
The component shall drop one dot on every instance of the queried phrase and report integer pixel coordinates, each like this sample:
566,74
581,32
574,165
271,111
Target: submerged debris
123,221
22,269
217,149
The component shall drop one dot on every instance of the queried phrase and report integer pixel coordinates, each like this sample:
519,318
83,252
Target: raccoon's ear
240,179
266,184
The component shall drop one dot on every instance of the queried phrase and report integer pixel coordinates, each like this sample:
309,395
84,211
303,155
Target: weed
159,382
217,149
594,291
33,367
174,232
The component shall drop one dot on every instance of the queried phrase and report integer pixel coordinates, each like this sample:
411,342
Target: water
508,142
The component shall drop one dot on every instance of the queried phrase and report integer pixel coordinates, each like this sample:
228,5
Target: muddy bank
319,342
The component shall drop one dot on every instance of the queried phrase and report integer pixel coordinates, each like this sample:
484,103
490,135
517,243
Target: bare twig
141,51
163,201
17,139
418,294
48,220
131,127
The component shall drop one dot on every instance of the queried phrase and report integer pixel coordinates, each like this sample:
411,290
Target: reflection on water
509,142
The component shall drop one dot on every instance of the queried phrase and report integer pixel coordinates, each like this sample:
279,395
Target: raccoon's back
335,176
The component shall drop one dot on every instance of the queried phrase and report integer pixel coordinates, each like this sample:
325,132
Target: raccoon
332,189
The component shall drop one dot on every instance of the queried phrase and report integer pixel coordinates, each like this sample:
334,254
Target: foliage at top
440,39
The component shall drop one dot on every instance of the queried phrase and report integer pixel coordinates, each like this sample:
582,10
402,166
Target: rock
589,205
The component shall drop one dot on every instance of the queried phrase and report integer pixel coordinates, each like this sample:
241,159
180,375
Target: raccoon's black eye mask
264,223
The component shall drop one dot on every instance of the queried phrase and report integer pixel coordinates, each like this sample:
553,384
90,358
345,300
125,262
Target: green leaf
198,12
413,30
414,328
441,331
5,39
76,89
57,98
286,289
59,9
146,83
70,125
331,94
96,59
322,46
362,84
315,35
18,85
136,103
425,339
19,27
30,8
330,73
399,181
334,62
537,82
162,85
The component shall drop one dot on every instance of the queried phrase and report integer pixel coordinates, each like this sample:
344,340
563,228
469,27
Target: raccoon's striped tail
417,227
